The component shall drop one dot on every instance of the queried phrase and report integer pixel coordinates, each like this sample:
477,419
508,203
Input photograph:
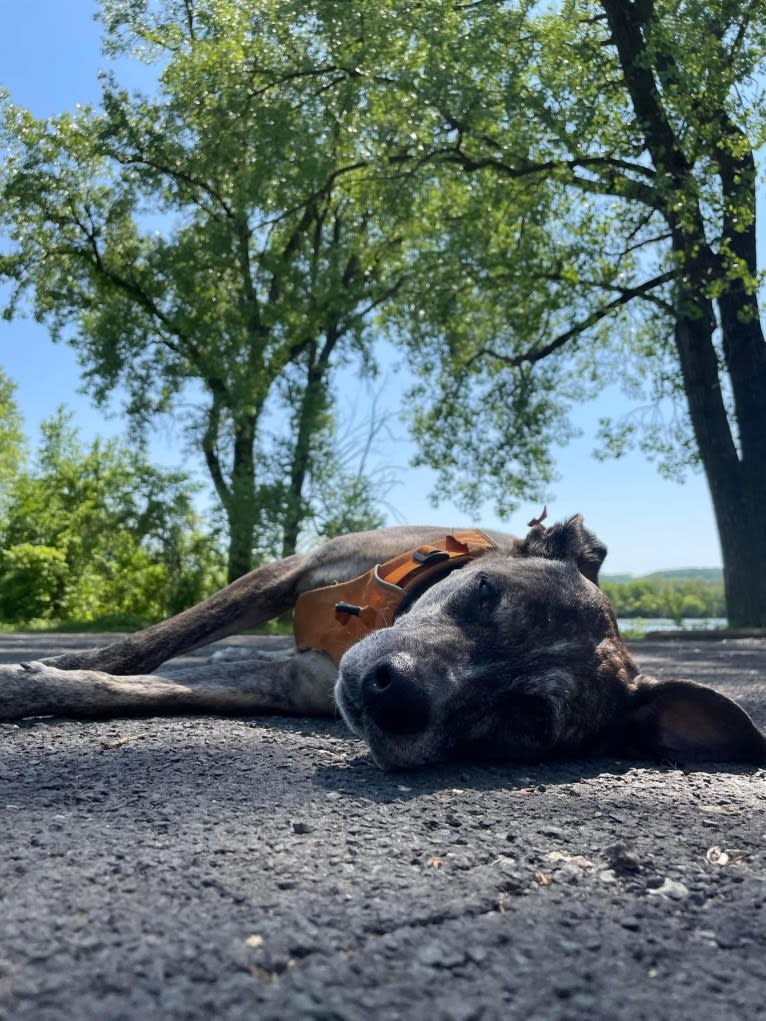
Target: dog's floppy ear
680,720
568,540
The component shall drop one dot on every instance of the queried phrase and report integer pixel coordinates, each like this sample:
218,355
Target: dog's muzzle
391,698
383,691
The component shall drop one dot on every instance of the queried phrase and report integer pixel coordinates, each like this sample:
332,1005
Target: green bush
98,532
32,581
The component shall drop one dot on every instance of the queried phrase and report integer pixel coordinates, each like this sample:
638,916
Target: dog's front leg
299,685
253,599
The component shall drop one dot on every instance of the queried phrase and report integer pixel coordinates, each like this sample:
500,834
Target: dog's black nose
393,700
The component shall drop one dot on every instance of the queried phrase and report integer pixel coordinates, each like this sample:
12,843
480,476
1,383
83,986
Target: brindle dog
515,656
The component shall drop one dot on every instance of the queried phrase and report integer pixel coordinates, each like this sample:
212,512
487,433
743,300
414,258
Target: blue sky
49,57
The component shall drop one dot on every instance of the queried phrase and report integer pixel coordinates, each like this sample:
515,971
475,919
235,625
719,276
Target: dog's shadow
360,776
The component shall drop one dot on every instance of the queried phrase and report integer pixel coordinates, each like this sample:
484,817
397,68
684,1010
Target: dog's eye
485,596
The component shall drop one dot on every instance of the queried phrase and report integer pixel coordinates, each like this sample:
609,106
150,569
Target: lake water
645,625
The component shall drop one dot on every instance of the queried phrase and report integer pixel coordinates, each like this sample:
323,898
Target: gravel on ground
265,868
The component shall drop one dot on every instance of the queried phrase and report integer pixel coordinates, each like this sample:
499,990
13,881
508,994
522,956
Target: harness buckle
349,608
433,556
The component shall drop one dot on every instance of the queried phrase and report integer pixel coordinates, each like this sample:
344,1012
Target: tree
12,444
588,175
99,531
212,246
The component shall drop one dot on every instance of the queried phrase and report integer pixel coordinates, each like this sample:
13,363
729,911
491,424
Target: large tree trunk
743,546
741,508
727,396
734,461
735,472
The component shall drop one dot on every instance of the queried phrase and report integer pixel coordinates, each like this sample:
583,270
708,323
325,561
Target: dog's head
518,657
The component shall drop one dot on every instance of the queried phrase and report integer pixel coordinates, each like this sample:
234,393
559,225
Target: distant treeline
675,595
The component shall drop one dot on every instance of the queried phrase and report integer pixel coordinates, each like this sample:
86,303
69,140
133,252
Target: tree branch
612,173
531,356
189,12
175,174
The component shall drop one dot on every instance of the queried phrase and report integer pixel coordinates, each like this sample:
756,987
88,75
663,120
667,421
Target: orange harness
334,618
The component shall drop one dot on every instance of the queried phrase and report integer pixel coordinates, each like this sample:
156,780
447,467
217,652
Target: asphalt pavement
266,868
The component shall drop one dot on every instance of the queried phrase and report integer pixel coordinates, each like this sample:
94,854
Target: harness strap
333,618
